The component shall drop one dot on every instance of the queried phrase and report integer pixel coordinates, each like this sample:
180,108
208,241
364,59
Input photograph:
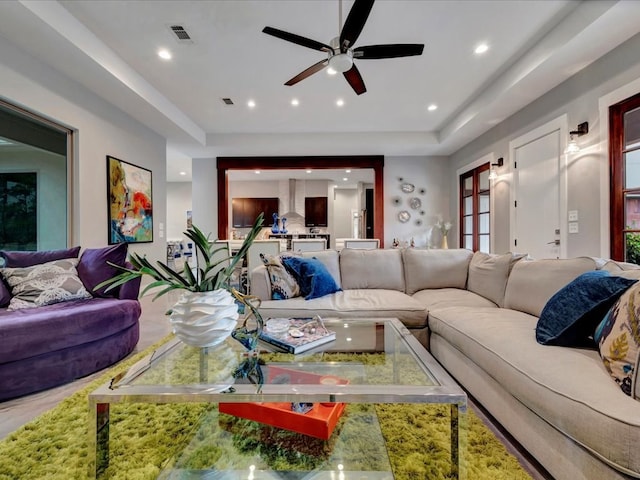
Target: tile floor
153,327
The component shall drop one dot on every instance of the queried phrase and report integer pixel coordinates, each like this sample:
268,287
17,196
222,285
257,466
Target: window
33,181
475,211
624,153
18,211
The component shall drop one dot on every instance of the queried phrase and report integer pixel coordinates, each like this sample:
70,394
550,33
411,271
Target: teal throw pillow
572,314
313,277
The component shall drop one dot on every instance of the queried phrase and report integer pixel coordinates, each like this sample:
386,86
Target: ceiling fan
340,52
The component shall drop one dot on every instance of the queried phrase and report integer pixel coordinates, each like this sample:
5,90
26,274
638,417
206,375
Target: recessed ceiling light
295,102
257,172
348,171
183,173
331,71
164,54
308,171
251,104
344,179
483,47
432,107
340,102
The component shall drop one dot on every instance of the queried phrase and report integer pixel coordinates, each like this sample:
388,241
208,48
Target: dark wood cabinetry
245,210
315,211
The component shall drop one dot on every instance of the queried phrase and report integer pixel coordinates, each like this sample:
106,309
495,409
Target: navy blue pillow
572,314
313,277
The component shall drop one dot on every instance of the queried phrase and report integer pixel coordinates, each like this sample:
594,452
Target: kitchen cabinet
315,211
245,210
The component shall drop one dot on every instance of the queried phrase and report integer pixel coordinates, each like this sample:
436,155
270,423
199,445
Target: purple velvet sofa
49,345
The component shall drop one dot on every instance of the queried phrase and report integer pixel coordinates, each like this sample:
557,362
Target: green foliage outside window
632,253
18,211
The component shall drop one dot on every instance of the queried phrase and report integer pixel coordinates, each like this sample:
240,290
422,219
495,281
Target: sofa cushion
283,284
618,339
436,298
615,267
488,274
375,268
312,276
572,314
31,332
5,293
94,268
27,259
566,387
435,268
330,259
355,303
533,282
44,284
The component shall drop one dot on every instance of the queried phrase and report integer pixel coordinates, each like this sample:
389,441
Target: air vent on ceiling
227,101
181,34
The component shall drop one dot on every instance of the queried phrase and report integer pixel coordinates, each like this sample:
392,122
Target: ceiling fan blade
308,72
297,39
355,80
354,23
394,50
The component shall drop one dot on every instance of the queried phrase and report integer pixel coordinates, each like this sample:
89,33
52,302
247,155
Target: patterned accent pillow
44,284
618,338
283,284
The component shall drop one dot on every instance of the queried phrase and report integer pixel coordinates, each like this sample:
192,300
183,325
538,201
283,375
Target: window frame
476,192
618,191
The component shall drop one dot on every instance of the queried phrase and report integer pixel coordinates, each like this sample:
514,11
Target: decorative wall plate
407,187
415,203
404,216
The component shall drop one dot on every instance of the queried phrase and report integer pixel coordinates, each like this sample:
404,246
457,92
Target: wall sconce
572,146
493,174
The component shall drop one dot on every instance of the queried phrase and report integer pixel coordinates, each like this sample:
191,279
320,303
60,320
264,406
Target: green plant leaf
208,277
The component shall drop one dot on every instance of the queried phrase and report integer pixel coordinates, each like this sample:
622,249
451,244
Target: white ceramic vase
204,319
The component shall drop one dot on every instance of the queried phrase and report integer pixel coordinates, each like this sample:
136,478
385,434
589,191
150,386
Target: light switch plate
573,227
573,215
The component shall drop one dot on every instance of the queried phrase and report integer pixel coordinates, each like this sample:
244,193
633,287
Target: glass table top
370,361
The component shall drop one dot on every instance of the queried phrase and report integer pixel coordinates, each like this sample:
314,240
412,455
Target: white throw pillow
44,284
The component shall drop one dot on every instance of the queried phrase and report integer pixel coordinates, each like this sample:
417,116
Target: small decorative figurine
413,244
284,225
274,227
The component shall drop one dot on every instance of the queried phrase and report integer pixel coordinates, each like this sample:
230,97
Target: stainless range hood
293,192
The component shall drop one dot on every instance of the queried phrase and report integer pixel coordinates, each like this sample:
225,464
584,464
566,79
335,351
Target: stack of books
296,335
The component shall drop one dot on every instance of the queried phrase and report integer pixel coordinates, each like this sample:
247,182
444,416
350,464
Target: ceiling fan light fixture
342,62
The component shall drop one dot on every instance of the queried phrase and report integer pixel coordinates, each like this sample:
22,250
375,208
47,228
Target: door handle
555,242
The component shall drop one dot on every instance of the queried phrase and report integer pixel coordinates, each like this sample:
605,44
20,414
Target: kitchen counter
289,236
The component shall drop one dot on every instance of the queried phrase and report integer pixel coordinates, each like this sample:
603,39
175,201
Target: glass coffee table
370,362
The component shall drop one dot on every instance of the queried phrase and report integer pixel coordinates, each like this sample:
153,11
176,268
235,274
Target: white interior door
538,205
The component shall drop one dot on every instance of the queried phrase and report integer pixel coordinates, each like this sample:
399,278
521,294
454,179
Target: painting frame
129,202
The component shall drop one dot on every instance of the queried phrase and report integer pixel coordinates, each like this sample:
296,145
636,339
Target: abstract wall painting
130,202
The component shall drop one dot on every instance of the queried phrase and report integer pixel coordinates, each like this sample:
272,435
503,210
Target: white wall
204,192
345,200
178,202
101,130
51,186
428,173
587,177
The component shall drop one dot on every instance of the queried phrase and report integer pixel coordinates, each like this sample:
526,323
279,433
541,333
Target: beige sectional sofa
477,315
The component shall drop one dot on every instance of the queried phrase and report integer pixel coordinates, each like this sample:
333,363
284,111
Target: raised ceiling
111,48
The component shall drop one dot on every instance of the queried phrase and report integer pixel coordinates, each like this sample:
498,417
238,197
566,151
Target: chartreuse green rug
149,439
